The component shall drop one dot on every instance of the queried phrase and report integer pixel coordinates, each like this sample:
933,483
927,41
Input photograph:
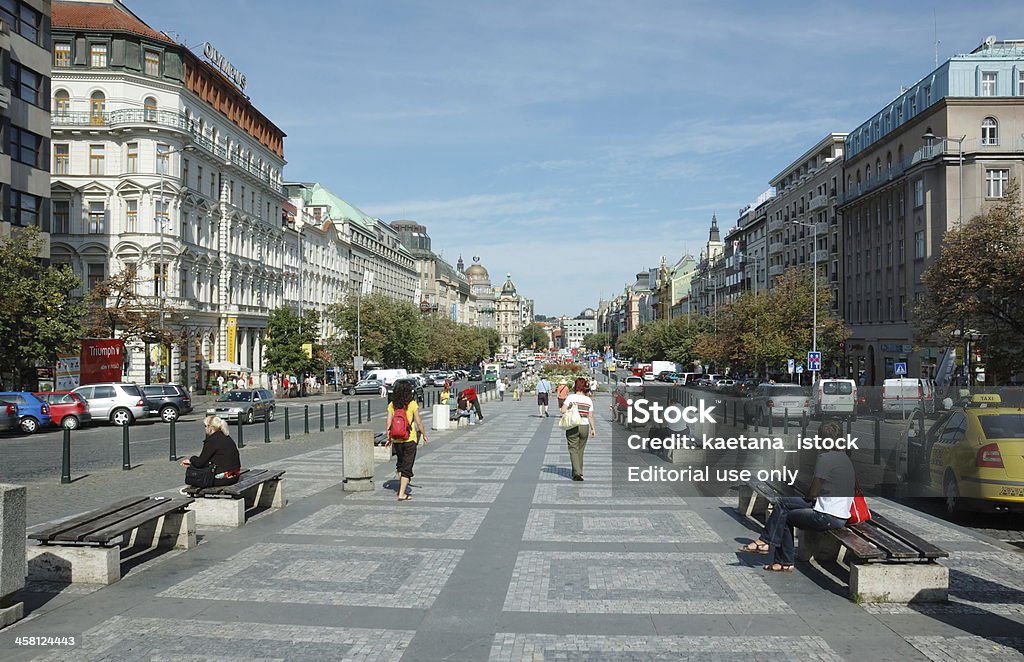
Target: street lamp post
929,137
814,267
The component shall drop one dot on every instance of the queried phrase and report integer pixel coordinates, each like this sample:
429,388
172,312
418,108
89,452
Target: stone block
74,565
822,547
440,417
177,530
899,582
12,539
9,615
357,459
219,512
271,494
751,503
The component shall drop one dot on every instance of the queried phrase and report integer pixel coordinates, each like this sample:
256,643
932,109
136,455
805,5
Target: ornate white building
442,289
163,167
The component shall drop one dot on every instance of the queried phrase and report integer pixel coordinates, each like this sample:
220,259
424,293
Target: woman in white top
826,506
577,436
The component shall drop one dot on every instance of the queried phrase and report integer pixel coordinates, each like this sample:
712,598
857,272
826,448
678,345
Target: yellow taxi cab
975,455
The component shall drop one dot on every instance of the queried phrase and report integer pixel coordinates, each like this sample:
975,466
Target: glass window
132,162
25,147
29,23
61,103
919,193
97,218
103,392
95,275
97,108
1020,83
160,214
989,131
927,95
62,216
62,159
131,216
919,244
152,62
95,159
988,83
26,84
163,158
98,56
159,279
149,109
61,54
995,182
26,209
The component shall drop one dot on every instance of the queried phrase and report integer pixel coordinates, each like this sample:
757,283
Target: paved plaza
500,556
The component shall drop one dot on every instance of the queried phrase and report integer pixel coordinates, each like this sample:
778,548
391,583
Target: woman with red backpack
404,427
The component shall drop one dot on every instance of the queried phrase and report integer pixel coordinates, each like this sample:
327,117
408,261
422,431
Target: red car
68,410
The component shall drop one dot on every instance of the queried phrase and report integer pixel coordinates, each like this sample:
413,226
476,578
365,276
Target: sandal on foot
405,498
754,548
778,567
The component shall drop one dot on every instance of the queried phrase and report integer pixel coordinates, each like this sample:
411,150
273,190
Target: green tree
534,336
597,341
287,332
38,316
974,286
117,310
392,332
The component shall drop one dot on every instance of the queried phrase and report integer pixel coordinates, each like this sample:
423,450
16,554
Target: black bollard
348,413
172,451
771,420
368,411
305,419
126,458
65,459
241,435
336,426
266,429
359,410
785,420
735,414
804,422
287,428
878,442
321,417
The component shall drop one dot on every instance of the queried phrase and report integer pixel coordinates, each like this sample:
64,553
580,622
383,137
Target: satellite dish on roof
990,41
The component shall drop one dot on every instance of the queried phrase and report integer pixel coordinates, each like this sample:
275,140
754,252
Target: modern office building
940,153
25,117
164,168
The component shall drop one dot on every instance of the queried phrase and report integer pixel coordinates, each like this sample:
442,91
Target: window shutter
172,66
81,54
132,55
117,55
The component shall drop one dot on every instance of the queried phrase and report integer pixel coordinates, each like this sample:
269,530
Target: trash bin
357,460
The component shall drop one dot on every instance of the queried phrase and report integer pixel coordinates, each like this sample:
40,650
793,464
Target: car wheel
271,414
250,416
121,417
70,423
169,414
951,493
29,425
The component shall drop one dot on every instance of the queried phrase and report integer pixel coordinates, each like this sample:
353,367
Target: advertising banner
232,338
101,361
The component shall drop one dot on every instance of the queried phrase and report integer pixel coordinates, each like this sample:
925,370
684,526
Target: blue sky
570,144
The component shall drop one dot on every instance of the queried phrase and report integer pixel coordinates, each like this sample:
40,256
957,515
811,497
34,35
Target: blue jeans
792,512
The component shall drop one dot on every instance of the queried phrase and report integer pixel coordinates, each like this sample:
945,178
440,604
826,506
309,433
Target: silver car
245,405
777,401
121,403
9,419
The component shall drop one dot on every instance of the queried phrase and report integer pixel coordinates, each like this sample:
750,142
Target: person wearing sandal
405,449
825,507
576,437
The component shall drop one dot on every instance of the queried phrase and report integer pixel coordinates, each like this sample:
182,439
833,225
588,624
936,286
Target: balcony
891,173
821,228
818,202
5,98
775,247
775,270
820,255
124,118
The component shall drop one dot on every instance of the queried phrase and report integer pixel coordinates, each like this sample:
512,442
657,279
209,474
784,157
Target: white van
834,397
387,376
907,395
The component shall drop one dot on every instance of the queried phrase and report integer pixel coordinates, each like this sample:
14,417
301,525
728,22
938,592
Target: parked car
33,413
834,397
903,396
168,401
121,403
9,419
416,389
776,401
67,409
633,385
665,376
246,404
971,456
367,387
475,375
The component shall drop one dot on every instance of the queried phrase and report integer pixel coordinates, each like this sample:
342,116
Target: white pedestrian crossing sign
901,368
814,361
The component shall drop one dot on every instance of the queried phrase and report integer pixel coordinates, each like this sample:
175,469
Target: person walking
576,437
501,390
404,434
543,393
219,451
562,392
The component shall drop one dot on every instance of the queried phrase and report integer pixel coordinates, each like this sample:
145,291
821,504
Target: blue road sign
790,365
900,368
799,370
814,361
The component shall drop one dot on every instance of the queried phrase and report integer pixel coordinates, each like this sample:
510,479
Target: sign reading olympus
221,62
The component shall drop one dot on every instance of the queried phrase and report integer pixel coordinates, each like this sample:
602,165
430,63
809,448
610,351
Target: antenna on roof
936,25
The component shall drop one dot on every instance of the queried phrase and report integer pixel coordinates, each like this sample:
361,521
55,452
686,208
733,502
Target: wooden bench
886,562
87,549
226,505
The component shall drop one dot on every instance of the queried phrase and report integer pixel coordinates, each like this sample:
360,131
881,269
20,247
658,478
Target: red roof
97,16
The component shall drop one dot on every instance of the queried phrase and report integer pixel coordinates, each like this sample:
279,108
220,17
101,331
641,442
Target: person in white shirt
577,436
825,507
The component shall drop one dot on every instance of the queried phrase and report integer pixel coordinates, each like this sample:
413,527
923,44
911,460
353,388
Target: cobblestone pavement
499,556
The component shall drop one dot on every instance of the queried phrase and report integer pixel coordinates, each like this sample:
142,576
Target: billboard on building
102,360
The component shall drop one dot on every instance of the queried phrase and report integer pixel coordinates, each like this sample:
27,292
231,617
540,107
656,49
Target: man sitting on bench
459,409
825,507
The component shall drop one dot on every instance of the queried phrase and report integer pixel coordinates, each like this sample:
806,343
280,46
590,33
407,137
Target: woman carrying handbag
218,463
576,436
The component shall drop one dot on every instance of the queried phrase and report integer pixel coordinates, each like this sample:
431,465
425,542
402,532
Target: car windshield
235,396
1003,426
837,388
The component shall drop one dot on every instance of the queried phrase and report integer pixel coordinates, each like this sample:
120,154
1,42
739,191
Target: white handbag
571,418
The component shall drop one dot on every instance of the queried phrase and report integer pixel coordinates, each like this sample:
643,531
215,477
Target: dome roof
476,272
